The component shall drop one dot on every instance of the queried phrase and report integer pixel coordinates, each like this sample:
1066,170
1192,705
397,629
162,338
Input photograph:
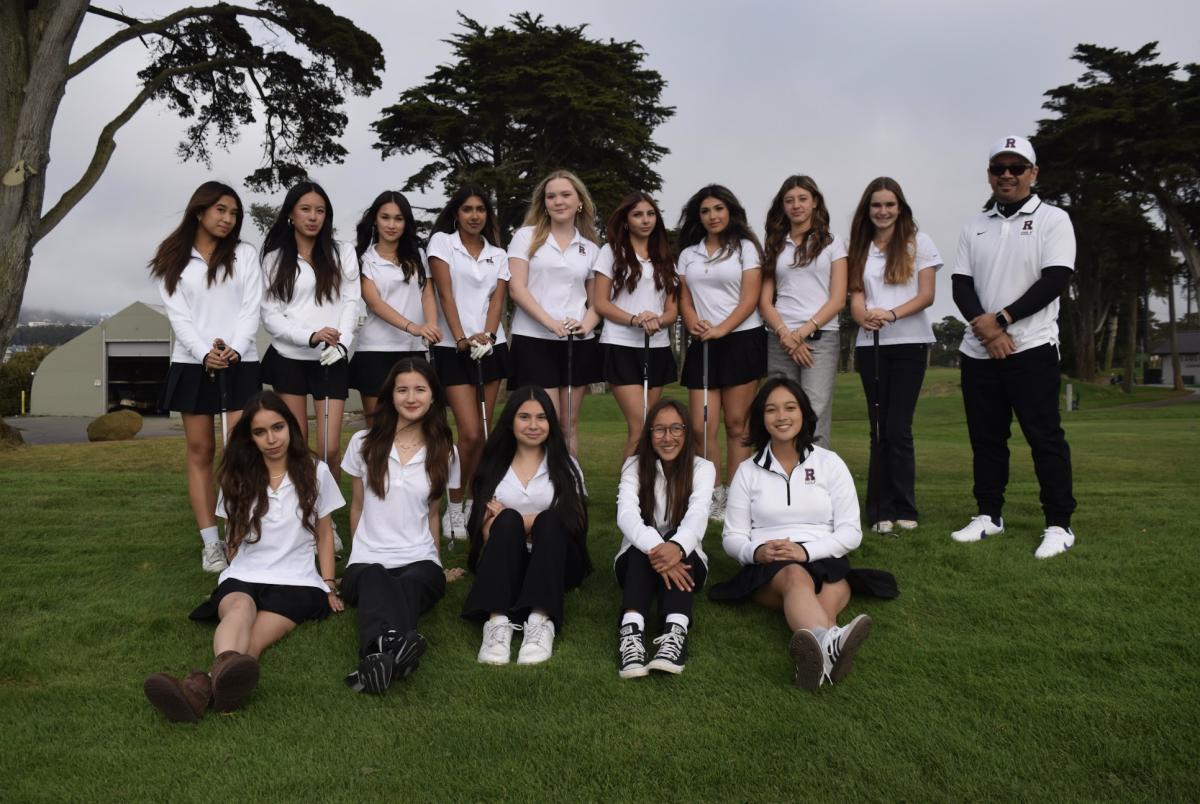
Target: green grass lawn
994,676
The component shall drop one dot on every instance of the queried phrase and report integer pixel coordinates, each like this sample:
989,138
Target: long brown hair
779,227
692,231
326,261
679,479
901,249
627,270
447,219
243,475
539,218
174,253
435,432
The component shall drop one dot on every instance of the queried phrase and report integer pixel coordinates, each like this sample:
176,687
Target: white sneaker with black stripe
977,528
633,652
839,646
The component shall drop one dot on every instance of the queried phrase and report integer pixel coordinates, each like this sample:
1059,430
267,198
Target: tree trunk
1131,352
36,47
1179,229
1110,347
1177,367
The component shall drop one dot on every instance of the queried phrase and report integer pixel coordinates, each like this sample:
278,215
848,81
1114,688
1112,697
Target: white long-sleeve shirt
689,534
816,506
200,314
292,323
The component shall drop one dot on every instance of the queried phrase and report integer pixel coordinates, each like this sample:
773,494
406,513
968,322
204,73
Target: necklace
276,477
406,447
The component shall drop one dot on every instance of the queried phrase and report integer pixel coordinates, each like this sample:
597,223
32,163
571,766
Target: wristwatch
491,336
1002,319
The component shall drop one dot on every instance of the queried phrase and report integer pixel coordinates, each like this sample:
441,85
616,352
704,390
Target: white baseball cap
1014,145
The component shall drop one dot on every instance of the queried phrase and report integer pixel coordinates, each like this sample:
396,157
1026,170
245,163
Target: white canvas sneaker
214,557
977,528
717,512
882,526
537,643
841,644
497,642
1055,540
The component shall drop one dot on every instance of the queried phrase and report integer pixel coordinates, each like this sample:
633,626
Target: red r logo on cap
1010,143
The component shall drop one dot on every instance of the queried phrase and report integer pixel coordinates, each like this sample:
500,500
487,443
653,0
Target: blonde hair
539,218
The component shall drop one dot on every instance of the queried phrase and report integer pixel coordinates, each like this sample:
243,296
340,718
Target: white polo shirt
557,279
284,553
803,290
402,296
913,328
644,297
200,314
472,283
394,531
690,532
816,506
534,498
292,323
1005,256
716,284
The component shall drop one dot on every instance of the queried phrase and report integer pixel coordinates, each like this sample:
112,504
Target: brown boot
181,701
199,686
233,675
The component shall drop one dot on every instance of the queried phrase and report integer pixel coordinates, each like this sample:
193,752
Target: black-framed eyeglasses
1016,170
658,430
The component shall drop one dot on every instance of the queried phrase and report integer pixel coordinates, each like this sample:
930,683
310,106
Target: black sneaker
633,653
406,651
841,645
671,655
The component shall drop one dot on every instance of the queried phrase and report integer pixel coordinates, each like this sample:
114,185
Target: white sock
466,507
499,619
678,619
454,507
635,618
819,633
210,535
534,619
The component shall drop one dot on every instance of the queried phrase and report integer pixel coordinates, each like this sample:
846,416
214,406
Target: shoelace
672,644
632,649
493,633
535,633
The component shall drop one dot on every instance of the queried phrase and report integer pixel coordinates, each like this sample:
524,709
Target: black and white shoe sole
375,673
634,671
806,653
855,633
409,655
666,666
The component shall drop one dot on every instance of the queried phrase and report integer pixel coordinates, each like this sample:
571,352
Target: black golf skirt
457,368
286,375
543,362
736,359
297,603
623,365
869,582
368,370
189,390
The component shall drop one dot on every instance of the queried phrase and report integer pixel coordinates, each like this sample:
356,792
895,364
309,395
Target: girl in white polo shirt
276,500
401,468
892,270
803,290
662,511
211,284
637,292
310,309
534,524
722,281
470,273
792,518
401,305
551,258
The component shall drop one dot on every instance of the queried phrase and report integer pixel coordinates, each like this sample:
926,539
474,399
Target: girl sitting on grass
662,510
792,518
534,524
400,469
276,499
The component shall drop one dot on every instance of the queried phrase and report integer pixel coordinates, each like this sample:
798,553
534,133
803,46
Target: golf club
877,433
224,398
570,383
482,399
704,349
645,376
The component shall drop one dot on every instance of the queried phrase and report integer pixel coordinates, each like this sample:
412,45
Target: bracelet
460,340
406,326
329,580
781,326
632,318
894,316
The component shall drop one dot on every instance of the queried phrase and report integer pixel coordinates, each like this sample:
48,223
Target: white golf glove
480,351
332,354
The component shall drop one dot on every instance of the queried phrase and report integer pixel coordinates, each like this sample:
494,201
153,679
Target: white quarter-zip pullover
200,314
292,324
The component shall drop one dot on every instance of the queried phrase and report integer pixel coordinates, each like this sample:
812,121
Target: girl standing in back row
722,281
212,287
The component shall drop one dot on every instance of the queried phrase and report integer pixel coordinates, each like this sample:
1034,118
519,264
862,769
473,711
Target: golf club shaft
875,335
704,349
482,399
570,383
325,444
645,377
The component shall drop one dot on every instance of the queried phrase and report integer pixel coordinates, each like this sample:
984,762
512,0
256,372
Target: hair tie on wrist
781,326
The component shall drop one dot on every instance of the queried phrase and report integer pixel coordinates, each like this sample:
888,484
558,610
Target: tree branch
107,143
138,29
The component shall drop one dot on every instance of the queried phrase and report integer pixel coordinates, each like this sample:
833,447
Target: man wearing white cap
1014,262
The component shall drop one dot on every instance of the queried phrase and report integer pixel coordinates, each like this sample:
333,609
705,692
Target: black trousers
893,482
391,599
1025,383
643,585
512,580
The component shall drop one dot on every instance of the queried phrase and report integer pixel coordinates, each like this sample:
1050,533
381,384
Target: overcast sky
842,91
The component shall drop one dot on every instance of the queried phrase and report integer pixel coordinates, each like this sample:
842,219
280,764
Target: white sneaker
977,528
538,642
839,645
882,526
497,642
215,557
906,524
1055,540
717,512
337,541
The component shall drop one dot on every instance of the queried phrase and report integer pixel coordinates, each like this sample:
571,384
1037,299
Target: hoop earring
627,227
456,224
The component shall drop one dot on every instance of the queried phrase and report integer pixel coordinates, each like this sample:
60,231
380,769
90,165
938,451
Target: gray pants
817,381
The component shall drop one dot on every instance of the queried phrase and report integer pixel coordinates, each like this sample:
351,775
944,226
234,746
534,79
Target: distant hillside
50,335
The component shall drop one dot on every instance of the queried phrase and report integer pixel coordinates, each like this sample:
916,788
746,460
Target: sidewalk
73,429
